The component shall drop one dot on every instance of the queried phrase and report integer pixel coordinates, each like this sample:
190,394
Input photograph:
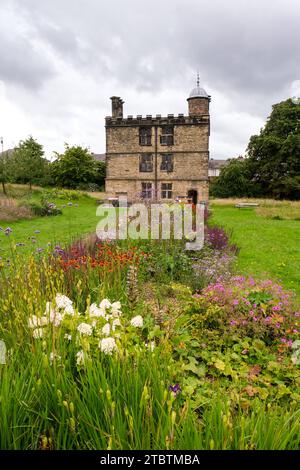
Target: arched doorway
193,196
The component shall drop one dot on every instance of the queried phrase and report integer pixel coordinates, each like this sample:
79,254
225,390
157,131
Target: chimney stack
116,106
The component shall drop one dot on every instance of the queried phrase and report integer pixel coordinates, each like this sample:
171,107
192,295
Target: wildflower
35,321
137,321
53,356
232,322
95,311
70,204
115,323
80,358
69,310
39,250
85,329
104,304
106,329
8,231
62,301
150,345
276,308
107,345
38,333
37,231
55,317
175,389
235,302
68,337
116,309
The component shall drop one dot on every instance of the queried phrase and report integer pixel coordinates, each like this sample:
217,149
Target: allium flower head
95,311
137,321
62,301
104,304
106,329
85,329
108,345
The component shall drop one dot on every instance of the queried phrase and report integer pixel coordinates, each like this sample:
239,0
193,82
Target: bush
43,208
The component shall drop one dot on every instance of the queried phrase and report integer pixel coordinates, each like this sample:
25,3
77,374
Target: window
167,135
145,135
166,162
166,190
147,190
146,162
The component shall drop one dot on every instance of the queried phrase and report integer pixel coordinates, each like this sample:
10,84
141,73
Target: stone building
159,158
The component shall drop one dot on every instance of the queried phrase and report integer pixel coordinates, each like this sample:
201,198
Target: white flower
115,323
151,345
85,329
54,356
62,301
43,321
137,321
35,321
68,337
69,310
80,357
107,345
38,333
95,311
104,304
55,317
116,309
106,329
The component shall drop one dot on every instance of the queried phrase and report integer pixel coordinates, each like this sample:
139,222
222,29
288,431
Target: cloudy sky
61,60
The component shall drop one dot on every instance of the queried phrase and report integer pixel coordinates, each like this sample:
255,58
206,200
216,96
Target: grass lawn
78,219
267,247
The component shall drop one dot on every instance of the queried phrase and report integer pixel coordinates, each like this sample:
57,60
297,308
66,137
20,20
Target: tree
74,168
100,173
234,181
28,164
274,154
5,169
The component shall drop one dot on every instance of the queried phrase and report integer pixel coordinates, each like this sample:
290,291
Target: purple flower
70,204
175,389
276,308
233,322
39,250
8,231
37,231
20,244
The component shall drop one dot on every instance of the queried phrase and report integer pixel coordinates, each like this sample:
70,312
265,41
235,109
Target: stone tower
159,158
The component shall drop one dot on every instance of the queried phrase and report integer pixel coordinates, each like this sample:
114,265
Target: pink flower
276,308
235,302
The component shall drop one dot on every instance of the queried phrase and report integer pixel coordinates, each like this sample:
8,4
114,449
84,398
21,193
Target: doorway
193,196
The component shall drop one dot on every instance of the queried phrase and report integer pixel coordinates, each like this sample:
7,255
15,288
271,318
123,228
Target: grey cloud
246,50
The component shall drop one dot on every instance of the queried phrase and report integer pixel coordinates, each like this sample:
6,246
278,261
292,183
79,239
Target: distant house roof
7,153
217,164
99,157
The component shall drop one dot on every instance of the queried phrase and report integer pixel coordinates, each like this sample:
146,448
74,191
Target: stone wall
189,150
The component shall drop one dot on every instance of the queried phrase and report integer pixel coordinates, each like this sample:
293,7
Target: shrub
43,208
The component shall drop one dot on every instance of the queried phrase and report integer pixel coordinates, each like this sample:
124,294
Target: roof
198,92
99,157
217,164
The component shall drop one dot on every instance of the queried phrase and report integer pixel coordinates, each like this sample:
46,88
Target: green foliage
43,208
27,163
234,181
100,174
274,154
74,168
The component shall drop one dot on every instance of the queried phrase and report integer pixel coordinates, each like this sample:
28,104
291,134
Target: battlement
156,120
